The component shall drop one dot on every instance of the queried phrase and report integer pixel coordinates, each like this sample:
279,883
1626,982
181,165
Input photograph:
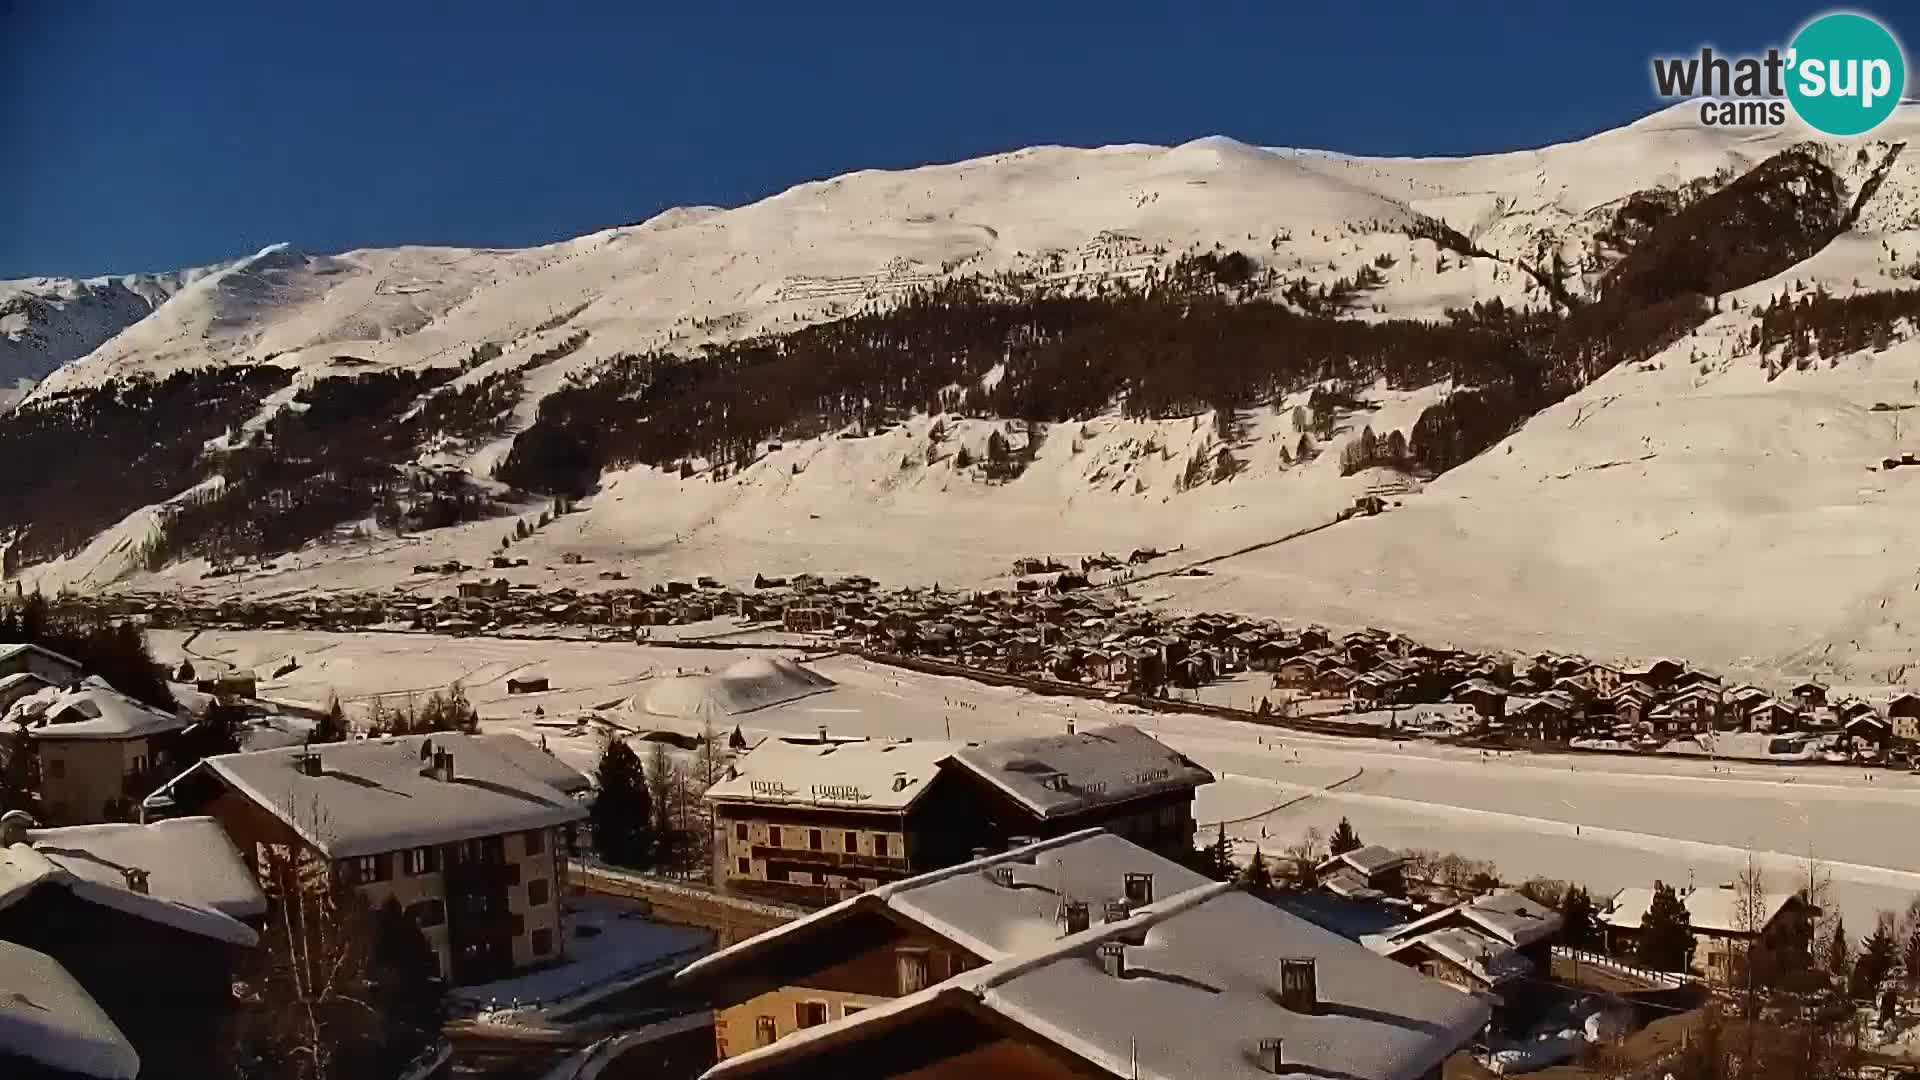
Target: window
537,892
536,841
810,1014
56,768
911,965
422,860
880,844
763,1031
743,867
542,941
428,913
773,836
776,873
139,764
740,830
368,869
853,843
813,839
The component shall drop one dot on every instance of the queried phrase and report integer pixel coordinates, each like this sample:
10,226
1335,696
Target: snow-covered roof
189,859
537,763
1056,775
23,871
753,683
1714,910
378,795
1506,916
1492,962
92,710
8,652
48,1018
1371,859
864,775
1197,997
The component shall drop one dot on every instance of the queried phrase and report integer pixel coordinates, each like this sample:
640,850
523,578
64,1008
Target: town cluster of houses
152,854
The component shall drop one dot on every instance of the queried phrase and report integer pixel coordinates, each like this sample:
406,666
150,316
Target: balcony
828,858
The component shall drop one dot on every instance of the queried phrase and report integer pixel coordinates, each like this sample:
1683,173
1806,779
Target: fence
1620,967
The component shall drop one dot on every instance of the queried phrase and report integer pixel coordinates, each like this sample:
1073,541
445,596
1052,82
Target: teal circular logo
1846,74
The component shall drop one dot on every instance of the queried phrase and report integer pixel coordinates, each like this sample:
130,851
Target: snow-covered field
1606,821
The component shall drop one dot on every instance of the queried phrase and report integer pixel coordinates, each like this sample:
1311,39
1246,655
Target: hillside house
99,750
1550,717
1903,716
55,668
1722,931
978,970
467,839
1809,694
495,589
1367,873
1482,946
1489,701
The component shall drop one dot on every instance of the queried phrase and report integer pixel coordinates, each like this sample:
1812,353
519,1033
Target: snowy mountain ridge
1566,516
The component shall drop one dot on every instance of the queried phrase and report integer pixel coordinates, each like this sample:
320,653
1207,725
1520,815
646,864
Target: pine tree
1839,950
1257,876
20,776
1910,958
331,728
1666,931
1578,916
1344,839
1219,857
1877,956
622,814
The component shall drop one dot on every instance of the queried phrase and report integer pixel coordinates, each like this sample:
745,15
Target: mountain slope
1606,522
47,322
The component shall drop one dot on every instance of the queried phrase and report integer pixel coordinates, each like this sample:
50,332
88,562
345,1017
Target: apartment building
99,750
467,838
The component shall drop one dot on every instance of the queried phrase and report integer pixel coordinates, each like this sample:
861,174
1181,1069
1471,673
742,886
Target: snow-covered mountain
1607,522
46,322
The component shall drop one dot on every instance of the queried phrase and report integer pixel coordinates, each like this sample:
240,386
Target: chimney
443,766
981,852
1139,889
136,879
1002,875
1272,1056
1069,725
1073,916
899,781
823,733
1113,958
1020,842
1115,911
1299,984
310,764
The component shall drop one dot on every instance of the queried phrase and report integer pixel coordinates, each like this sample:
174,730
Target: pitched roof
1506,916
1715,910
1198,997
24,871
8,652
867,774
49,1019
92,710
537,763
376,795
1371,859
1056,775
189,859
1492,962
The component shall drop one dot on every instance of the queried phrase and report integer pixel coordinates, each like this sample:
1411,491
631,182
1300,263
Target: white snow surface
48,1018
189,859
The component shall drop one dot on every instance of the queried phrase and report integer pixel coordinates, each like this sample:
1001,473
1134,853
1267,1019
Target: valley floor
1606,822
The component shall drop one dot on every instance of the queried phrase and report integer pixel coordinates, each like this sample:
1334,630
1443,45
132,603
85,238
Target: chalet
1868,733
54,1029
495,589
806,618
1371,688
1366,873
1488,701
1722,930
1116,777
1809,694
21,684
982,969
1334,681
93,924
1631,703
467,839
56,669
1479,945
99,750
1296,673
1657,675
1270,655
527,684
1903,715
1772,717
230,684
1549,717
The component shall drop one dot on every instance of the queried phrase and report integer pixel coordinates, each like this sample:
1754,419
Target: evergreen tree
737,740
20,775
622,815
1839,950
1344,839
1910,958
331,728
1578,916
1877,956
1257,876
1220,857
1666,931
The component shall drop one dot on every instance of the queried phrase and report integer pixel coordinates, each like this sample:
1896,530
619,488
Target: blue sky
153,136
